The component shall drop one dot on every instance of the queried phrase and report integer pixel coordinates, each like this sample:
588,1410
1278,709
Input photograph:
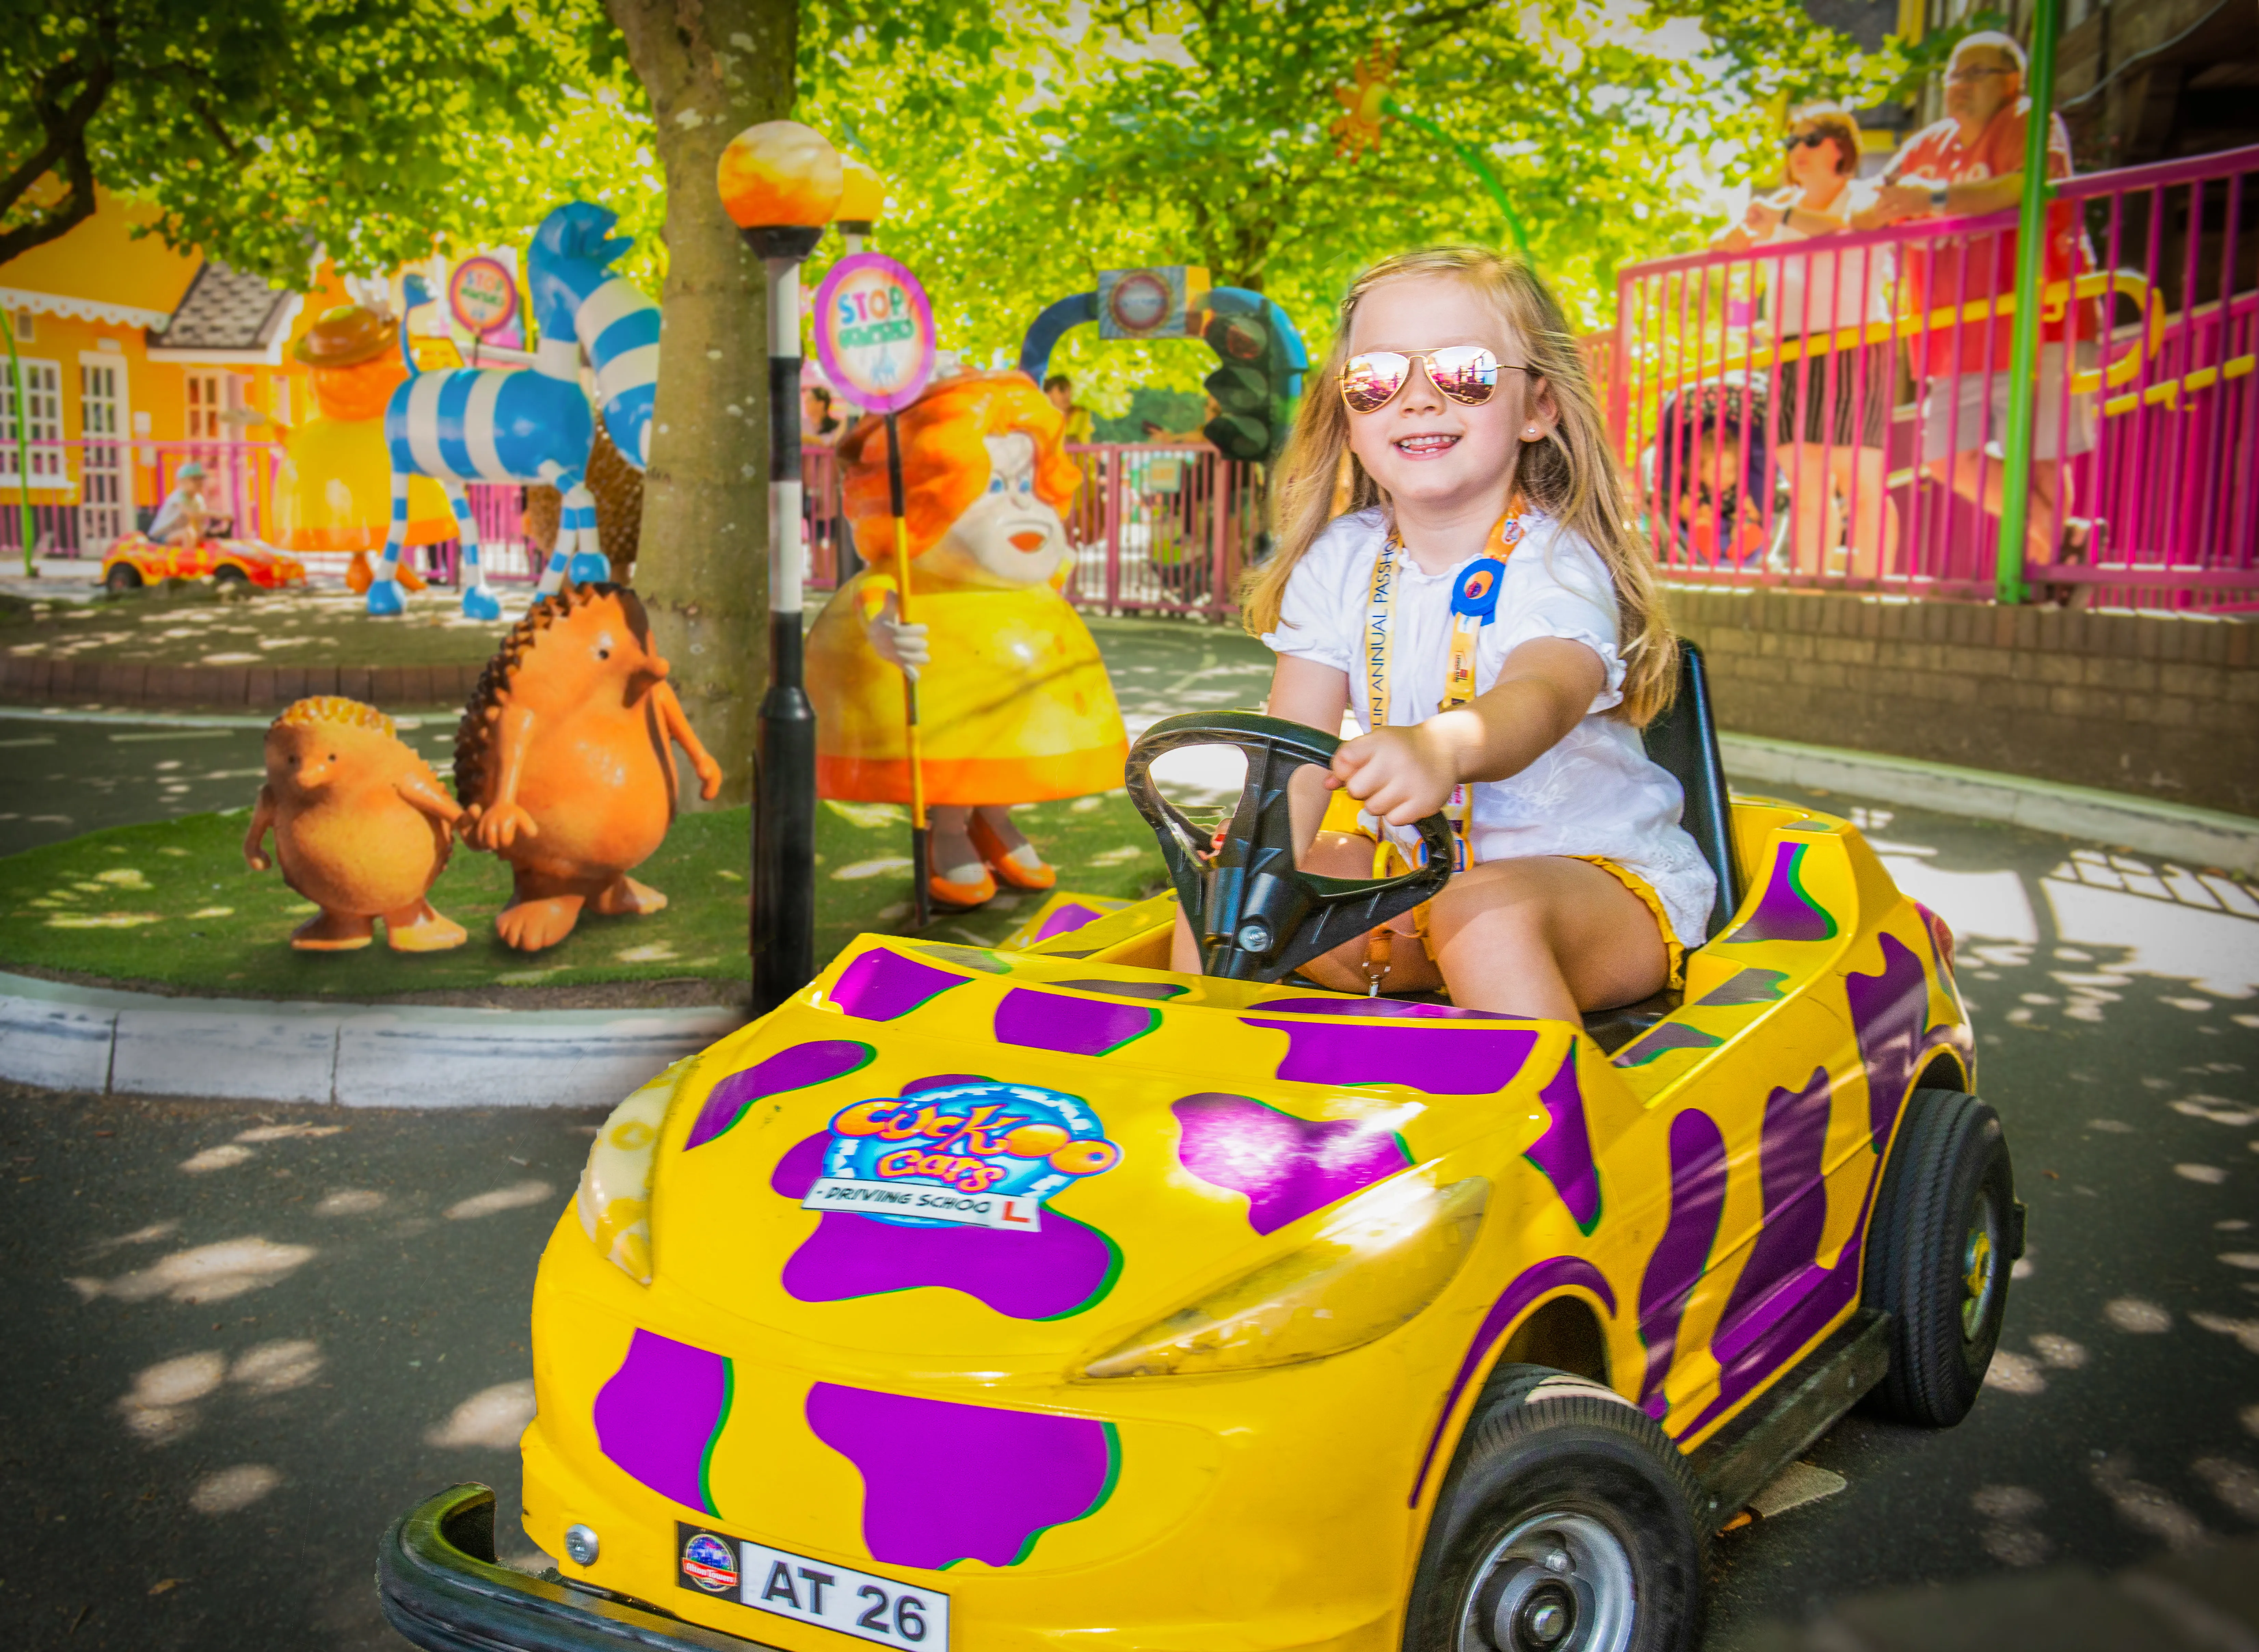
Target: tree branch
64,126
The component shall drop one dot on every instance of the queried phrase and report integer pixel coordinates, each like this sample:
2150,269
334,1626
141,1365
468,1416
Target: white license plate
835,1597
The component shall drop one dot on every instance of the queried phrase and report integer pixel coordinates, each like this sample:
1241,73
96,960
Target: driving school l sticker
970,1155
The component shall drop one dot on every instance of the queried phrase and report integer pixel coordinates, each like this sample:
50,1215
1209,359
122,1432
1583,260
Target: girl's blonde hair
1571,475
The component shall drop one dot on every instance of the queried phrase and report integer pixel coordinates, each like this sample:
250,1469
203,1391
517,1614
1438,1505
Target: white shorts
1965,412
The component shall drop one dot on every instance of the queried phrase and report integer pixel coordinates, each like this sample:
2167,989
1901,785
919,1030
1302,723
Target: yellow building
137,357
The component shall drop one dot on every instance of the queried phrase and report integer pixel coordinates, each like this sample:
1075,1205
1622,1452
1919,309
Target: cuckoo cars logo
709,1563
980,1155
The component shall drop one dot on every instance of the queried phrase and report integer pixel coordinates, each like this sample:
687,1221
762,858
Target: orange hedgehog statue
562,764
361,826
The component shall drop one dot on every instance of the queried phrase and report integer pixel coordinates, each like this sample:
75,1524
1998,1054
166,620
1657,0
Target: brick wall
230,687
2160,705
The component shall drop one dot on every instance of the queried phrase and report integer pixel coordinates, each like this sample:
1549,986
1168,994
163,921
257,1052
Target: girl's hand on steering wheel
1402,775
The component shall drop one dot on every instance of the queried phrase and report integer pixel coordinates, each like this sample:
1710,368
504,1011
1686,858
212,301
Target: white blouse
1595,792
1846,288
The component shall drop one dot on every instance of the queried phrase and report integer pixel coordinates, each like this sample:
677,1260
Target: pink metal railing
92,490
1826,448
1153,528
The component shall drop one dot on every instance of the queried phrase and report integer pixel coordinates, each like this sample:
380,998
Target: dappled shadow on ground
2116,998
240,1340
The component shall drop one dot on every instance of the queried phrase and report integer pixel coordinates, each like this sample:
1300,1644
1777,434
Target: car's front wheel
1568,1524
230,573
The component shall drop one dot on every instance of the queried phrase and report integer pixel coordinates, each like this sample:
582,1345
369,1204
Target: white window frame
126,470
48,469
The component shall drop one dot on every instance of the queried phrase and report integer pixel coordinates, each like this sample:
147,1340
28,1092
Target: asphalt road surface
241,1339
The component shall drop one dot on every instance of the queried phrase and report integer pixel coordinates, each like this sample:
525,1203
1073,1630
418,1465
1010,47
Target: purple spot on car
795,1069
658,1417
1697,1198
1072,1026
882,986
1287,1166
1440,1060
1745,986
1061,1269
1888,1013
1012,1475
1565,1152
1672,1034
1066,919
1785,912
1400,1008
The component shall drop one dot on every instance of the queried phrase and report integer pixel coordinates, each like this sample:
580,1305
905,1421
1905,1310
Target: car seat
1684,741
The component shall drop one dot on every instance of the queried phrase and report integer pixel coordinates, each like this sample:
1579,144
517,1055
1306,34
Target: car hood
953,1155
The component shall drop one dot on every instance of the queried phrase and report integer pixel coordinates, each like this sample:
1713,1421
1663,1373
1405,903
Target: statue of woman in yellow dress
1013,703
333,491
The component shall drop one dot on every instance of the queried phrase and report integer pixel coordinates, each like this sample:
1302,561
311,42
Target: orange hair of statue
944,460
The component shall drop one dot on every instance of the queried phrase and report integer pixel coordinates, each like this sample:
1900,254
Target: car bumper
440,1588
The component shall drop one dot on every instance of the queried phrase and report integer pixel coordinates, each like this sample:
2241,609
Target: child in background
1494,625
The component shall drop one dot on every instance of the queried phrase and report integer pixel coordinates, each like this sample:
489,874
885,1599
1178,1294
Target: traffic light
1251,385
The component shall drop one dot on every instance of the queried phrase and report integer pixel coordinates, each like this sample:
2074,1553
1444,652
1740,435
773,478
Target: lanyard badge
1474,604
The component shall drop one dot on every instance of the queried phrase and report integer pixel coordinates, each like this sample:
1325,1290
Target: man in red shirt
1968,164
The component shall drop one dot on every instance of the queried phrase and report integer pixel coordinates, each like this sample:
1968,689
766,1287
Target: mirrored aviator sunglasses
1467,373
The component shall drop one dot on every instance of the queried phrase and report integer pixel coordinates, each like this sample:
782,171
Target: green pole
1475,164
23,442
2031,251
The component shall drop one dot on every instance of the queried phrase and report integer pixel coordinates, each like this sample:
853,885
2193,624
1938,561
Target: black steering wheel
1256,914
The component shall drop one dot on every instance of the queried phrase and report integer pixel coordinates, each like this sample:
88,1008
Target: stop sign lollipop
874,337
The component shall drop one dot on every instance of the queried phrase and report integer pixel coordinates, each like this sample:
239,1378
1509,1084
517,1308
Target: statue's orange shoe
1007,869
959,897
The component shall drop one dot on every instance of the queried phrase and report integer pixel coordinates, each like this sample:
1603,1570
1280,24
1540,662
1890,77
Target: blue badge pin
1475,595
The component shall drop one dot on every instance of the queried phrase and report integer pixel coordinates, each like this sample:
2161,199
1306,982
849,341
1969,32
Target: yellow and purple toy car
136,560
992,1301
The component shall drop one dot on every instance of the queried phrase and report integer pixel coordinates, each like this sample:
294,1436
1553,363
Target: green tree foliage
263,128
1023,159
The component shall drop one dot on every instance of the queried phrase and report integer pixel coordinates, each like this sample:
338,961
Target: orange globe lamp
862,198
780,183
780,174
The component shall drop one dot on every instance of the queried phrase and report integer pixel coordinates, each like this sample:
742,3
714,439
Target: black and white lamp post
780,184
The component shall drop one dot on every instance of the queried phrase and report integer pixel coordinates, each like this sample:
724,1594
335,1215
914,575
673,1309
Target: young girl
1485,544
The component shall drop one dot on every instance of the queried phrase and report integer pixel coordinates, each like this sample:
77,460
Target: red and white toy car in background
136,560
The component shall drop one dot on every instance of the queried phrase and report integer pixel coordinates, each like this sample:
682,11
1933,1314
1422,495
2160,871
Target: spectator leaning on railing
1832,403
1972,162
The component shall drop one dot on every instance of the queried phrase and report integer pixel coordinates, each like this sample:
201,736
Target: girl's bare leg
1547,937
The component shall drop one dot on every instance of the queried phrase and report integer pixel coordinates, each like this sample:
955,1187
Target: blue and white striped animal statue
521,425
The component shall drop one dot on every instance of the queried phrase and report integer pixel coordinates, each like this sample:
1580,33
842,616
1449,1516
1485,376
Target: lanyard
1474,604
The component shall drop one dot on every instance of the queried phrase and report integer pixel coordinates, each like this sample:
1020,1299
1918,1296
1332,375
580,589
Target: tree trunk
712,67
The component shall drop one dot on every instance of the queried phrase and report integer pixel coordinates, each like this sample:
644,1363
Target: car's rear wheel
1567,1524
1947,1230
123,576
228,573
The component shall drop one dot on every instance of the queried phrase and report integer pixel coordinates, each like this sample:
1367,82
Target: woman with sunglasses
1831,402
1492,622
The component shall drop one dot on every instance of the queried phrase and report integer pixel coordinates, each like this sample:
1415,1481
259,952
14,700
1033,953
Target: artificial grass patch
172,904
201,626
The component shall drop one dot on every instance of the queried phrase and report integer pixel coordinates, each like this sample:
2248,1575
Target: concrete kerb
2198,837
64,1036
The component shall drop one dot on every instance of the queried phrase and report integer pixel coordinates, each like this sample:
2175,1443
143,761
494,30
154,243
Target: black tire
1568,1524
123,576
1947,1228
228,573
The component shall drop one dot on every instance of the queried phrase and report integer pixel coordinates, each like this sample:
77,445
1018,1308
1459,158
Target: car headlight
613,1198
1384,1257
